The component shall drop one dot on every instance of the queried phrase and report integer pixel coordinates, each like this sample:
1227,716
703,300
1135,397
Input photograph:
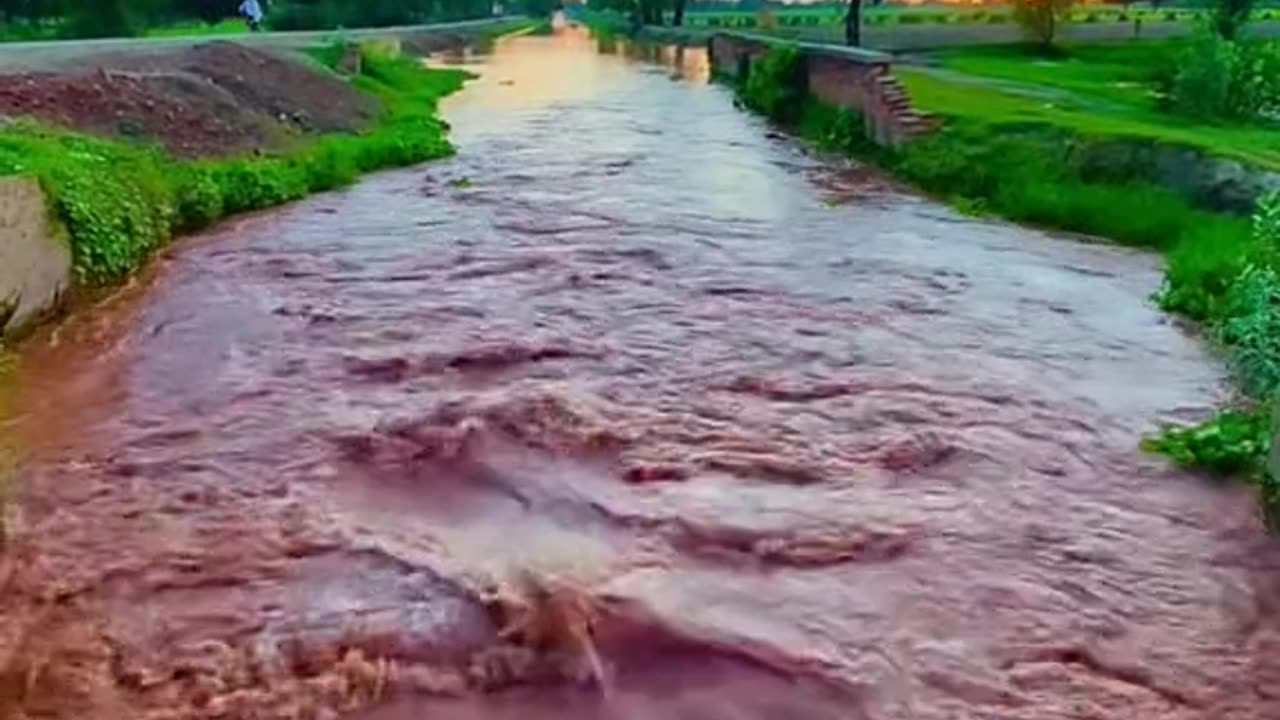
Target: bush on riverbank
1219,79
1245,321
1222,270
121,201
776,86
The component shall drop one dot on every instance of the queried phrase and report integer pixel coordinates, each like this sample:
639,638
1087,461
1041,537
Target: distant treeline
835,6
102,18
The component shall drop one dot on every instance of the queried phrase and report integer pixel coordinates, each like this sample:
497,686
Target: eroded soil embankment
802,446
215,99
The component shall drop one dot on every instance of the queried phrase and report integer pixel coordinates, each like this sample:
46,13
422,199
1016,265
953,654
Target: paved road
46,55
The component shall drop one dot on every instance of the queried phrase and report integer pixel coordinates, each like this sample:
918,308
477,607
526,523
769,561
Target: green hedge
120,201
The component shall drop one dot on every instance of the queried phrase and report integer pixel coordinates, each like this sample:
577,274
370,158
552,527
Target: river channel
788,440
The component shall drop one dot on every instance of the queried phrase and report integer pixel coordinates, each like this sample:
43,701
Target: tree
537,8
210,11
1041,19
677,17
107,18
1230,17
649,12
853,24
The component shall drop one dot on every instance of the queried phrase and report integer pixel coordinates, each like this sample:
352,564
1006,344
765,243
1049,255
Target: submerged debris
548,623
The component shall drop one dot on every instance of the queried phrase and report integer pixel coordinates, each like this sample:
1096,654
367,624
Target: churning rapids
777,439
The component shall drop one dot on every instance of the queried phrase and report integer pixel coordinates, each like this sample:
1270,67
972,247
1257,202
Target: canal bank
1212,209
629,372
174,141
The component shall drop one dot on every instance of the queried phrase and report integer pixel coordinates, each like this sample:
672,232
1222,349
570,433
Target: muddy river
631,410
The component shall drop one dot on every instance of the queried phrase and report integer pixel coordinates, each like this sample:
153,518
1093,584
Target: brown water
807,445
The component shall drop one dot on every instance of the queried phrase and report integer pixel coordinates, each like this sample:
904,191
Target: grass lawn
234,26
1097,90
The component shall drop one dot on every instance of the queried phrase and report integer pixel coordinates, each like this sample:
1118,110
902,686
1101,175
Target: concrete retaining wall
35,260
852,78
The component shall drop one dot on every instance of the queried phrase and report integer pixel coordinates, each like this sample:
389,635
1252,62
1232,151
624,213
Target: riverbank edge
1103,187
109,205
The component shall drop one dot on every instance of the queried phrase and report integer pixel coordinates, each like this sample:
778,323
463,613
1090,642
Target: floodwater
777,439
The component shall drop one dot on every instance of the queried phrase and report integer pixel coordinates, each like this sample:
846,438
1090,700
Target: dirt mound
215,99
280,87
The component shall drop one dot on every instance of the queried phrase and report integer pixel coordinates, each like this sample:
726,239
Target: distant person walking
251,11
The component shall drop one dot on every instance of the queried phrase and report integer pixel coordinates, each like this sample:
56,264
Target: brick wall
845,77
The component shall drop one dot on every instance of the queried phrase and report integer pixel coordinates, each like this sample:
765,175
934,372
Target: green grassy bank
1102,90
1223,271
119,202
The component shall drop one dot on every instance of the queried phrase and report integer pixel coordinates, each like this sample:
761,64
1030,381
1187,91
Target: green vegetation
1215,78
120,202
1033,126
832,15
1044,177
1229,17
776,85
48,19
1111,90
1070,153
1241,305
328,14
1041,19
193,28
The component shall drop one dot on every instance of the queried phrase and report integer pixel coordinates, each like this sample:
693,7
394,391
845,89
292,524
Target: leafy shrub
252,184
776,84
973,161
1256,86
1250,313
1266,225
327,14
1203,264
199,199
1202,82
1233,442
1251,328
1229,17
1225,79
1243,307
333,165
100,19
117,200
834,129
